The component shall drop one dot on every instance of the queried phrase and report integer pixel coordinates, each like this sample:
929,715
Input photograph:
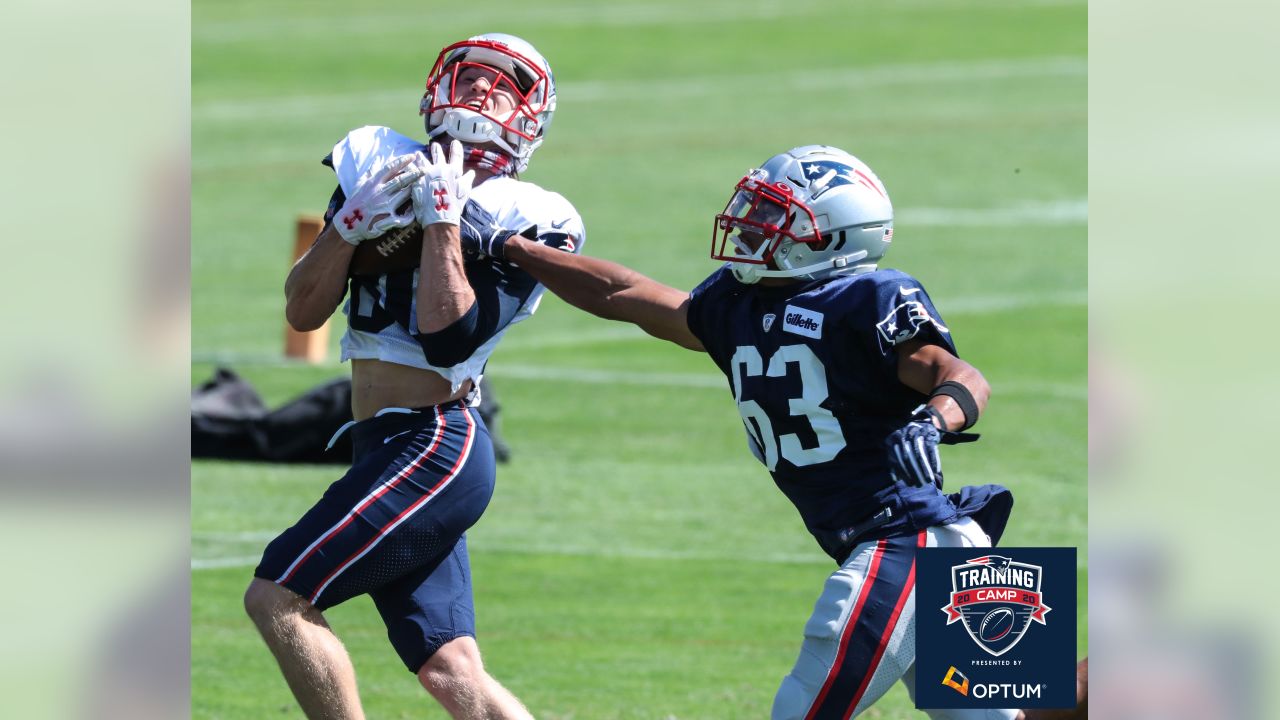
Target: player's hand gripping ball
378,203
438,194
442,188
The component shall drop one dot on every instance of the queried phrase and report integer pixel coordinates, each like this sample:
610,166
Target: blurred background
667,570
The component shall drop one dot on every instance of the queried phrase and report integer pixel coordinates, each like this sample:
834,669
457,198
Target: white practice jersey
381,311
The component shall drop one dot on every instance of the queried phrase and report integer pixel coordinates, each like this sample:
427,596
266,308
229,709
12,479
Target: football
397,249
995,624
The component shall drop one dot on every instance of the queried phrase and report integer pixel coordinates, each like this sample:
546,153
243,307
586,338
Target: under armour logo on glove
442,191
372,208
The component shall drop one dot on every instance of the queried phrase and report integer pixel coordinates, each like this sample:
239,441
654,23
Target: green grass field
635,561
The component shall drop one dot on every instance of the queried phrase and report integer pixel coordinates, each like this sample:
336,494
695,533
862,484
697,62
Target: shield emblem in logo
767,321
996,598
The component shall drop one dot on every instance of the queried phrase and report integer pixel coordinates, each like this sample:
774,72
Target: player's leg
312,659
400,509
965,533
280,599
455,676
429,612
430,618
859,640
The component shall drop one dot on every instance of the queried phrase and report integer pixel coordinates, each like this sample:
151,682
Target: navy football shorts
393,527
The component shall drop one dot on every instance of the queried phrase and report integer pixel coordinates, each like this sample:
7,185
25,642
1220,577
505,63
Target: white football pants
861,636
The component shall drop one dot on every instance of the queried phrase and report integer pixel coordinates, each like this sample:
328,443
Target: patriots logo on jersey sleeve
904,322
559,241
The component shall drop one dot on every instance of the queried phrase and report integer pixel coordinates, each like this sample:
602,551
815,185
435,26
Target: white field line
586,376
986,304
1058,212
594,551
971,305
576,15
700,381
697,86
225,562
816,557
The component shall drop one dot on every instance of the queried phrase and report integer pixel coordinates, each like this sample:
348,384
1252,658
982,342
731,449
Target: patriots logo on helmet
996,597
826,174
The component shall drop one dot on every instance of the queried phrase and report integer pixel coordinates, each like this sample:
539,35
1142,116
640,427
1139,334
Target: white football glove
371,209
441,193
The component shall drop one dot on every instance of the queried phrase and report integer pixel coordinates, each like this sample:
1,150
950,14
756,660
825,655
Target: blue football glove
913,448
481,234
913,452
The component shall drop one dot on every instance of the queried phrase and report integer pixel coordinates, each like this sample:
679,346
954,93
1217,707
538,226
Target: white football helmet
811,213
522,71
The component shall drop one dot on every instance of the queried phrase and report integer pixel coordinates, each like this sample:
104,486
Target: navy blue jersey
814,372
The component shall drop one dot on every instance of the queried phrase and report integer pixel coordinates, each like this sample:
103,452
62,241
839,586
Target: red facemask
522,78
756,221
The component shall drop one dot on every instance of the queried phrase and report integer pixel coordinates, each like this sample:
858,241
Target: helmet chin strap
469,126
836,263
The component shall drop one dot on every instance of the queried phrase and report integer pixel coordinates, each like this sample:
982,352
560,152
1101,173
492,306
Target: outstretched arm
924,367
607,289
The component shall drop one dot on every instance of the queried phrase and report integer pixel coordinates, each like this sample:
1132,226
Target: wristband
958,392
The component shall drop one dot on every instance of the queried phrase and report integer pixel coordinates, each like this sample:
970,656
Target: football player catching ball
418,336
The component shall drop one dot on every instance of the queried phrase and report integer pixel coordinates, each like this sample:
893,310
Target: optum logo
956,680
1015,691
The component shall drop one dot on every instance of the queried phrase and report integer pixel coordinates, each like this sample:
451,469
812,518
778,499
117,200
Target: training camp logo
997,598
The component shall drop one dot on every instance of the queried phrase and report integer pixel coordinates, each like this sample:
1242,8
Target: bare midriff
376,385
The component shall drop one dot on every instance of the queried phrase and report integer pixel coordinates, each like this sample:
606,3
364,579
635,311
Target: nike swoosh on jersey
389,438
902,290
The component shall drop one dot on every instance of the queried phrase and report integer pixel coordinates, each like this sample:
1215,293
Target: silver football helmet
811,213
522,71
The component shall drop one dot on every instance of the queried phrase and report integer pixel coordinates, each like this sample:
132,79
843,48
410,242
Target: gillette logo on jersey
802,322
982,628
997,599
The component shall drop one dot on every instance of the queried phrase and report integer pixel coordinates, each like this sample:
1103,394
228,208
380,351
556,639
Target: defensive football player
846,378
418,337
